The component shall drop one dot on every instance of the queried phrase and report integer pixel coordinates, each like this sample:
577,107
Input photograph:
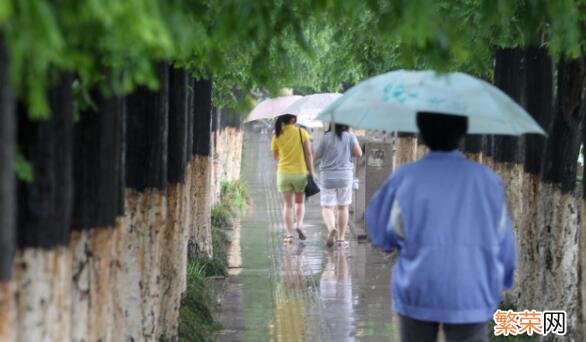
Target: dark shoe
331,238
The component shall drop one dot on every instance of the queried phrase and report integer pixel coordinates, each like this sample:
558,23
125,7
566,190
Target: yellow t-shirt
288,144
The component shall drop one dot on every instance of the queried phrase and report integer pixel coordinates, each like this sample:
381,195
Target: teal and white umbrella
391,101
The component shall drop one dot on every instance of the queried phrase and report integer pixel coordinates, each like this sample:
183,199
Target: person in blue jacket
447,217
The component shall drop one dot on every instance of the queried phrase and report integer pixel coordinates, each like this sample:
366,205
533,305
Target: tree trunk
7,193
97,211
559,212
488,150
473,147
405,149
146,204
538,102
227,138
421,149
508,156
43,264
200,236
581,324
174,260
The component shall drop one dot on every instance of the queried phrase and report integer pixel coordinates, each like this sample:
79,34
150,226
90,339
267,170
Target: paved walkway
303,291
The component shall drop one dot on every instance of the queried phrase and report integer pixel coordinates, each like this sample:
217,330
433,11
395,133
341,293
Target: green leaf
22,168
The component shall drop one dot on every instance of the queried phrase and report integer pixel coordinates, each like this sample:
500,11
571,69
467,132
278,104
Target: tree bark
45,204
473,147
508,156
42,286
488,150
538,102
405,149
98,163
559,212
99,192
227,138
178,125
7,179
174,260
581,325
509,77
147,123
200,231
7,193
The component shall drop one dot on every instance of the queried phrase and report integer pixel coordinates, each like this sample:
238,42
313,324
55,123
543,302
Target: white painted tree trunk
405,150
42,295
558,219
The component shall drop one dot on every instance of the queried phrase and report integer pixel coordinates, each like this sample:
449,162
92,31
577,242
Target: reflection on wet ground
303,291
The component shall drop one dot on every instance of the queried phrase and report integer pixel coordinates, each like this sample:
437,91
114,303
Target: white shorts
337,196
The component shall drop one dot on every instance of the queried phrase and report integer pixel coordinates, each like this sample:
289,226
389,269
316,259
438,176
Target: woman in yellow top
291,149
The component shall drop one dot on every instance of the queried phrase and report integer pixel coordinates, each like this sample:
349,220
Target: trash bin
372,170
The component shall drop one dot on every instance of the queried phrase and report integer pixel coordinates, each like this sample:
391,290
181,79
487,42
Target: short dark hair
441,132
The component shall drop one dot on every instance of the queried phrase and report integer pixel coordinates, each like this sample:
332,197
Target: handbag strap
303,151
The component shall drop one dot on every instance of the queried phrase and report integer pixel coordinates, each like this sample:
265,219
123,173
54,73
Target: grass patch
235,195
197,322
222,215
234,199
218,264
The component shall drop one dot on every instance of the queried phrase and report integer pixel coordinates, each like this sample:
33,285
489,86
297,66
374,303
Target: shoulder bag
311,188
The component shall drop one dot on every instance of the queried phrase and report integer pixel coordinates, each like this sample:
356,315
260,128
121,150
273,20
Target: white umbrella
305,121
311,105
391,101
308,107
271,108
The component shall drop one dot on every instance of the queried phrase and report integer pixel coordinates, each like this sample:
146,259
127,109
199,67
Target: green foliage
23,169
246,46
196,319
234,199
197,322
235,195
218,264
35,46
222,215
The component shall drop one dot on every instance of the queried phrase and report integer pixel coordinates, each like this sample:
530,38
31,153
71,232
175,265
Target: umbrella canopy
391,101
308,107
307,122
311,105
271,108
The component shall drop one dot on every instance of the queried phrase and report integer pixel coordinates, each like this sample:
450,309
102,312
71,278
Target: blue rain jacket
448,218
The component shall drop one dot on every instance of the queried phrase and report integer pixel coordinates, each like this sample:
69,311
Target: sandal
343,243
301,234
288,239
331,238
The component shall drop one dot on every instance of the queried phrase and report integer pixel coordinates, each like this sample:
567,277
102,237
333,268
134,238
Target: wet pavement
303,291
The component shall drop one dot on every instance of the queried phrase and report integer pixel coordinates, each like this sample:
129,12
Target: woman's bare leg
288,211
299,211
342,221
327,212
